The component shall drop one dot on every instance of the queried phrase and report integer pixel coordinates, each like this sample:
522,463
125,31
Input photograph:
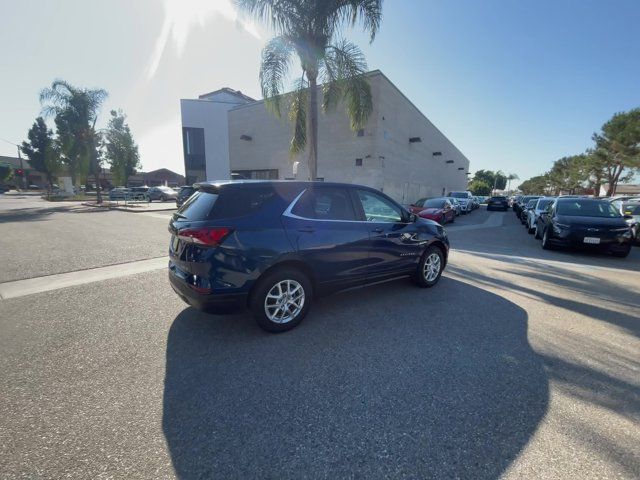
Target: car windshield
459,195
498,198
543,204
434,203
587,208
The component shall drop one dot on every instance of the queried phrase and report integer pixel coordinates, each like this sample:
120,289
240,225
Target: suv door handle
377,230
306,229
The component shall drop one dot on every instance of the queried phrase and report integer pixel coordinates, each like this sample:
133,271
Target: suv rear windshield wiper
179,215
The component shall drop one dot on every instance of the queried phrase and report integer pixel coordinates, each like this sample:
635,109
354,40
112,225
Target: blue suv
273,246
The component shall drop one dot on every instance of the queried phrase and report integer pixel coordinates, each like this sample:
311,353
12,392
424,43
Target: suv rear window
228,203
198,206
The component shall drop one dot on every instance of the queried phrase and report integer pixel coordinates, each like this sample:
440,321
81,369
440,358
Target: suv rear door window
379,209
325,204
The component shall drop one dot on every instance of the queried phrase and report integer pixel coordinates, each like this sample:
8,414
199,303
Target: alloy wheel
284,301
431,268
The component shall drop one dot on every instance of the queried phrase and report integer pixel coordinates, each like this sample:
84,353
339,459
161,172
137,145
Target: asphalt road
521,363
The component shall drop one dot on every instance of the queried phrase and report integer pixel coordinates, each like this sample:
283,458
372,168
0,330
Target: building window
358,162
193,148
266,174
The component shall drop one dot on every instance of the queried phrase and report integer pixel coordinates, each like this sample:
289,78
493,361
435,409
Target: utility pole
24,173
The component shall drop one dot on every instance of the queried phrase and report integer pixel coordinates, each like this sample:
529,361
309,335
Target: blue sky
514,84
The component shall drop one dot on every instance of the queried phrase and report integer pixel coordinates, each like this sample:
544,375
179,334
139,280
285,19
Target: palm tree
76,111
310,29
511,176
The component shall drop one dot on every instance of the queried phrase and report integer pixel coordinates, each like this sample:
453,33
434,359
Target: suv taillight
207,236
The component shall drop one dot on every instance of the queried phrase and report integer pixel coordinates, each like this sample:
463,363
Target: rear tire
277,297
430,267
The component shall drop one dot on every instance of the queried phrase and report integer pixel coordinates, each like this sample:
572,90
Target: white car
465,200
532,215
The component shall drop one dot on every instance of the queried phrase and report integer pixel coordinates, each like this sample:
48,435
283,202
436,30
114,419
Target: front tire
430,267
623,254
281,300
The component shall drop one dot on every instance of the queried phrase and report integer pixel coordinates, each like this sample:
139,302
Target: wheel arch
293,263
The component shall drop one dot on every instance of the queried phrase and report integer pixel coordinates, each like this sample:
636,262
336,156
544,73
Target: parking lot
520,363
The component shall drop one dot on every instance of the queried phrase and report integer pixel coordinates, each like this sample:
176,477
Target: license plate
174,243
592,240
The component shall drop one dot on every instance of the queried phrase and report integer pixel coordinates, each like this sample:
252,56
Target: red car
439,209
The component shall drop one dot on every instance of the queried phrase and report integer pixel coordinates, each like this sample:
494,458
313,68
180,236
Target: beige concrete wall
389,162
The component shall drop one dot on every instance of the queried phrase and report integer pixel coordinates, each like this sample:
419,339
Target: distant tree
617,149
42,151
310,30
6,172
76,112
538,185
121,150
479,187
495,180
569,174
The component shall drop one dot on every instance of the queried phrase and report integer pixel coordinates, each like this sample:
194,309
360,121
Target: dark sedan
586,223
275,246
498,203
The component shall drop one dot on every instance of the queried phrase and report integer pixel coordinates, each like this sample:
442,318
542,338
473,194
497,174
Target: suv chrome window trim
287,213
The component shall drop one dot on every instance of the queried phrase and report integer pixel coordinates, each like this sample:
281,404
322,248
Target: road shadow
41,214
388,381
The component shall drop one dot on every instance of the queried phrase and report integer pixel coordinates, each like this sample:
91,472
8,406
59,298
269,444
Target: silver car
162,193
631,212
534,213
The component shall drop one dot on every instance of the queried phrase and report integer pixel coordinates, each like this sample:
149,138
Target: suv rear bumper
211,302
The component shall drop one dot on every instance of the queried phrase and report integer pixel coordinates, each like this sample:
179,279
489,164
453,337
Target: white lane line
29,286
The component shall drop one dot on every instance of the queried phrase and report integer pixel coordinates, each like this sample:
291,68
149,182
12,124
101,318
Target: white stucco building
399,151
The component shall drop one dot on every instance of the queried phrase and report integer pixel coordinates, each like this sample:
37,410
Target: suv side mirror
413,218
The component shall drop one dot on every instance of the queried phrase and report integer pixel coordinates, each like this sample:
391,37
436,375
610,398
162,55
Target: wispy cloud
179,18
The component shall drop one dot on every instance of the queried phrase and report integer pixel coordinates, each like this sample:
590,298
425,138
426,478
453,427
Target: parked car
524,213
118,193
184,193
465,200
498,203
161,193
440,209
521,202
274,246
584,222
456,205
533,214
631,212
140,193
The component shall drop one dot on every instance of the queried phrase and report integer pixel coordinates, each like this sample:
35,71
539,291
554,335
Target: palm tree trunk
313,131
